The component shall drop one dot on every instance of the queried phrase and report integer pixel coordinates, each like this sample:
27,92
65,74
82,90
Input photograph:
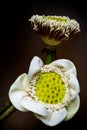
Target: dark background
19,43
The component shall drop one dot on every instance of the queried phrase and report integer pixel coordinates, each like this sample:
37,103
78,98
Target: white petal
54,117
17,91
74,93
35,66
15,98
33,106
67,64
20,83
74,83
72,108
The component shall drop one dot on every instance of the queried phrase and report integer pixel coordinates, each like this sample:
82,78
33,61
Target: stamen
54,29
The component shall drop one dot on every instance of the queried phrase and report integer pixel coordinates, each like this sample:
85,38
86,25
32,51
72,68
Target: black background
19,43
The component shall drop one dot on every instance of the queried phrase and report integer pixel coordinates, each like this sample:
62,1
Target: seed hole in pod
46,101
48,96
47,85
53,78
51,101
52,91
52,96
56,94
62,82
55,88
58,89
56,101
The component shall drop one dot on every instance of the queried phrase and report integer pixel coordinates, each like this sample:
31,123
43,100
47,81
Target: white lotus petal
67,64
54,117
20,83
35,66
16,97
74,83
74,93
33,106
18,90
72,108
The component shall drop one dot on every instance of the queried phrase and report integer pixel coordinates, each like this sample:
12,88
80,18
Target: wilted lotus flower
54,29
50,91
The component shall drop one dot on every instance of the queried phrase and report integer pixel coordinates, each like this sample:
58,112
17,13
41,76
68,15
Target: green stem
51,55
7,112
5,107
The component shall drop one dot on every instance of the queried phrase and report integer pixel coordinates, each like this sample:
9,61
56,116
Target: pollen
50,88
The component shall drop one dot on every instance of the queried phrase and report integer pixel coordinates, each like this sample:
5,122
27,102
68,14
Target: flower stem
5,107
7,112
51,55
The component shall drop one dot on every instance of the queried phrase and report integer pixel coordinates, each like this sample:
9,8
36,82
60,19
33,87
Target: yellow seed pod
50,88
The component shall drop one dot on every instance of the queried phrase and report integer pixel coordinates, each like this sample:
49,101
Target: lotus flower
50,92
